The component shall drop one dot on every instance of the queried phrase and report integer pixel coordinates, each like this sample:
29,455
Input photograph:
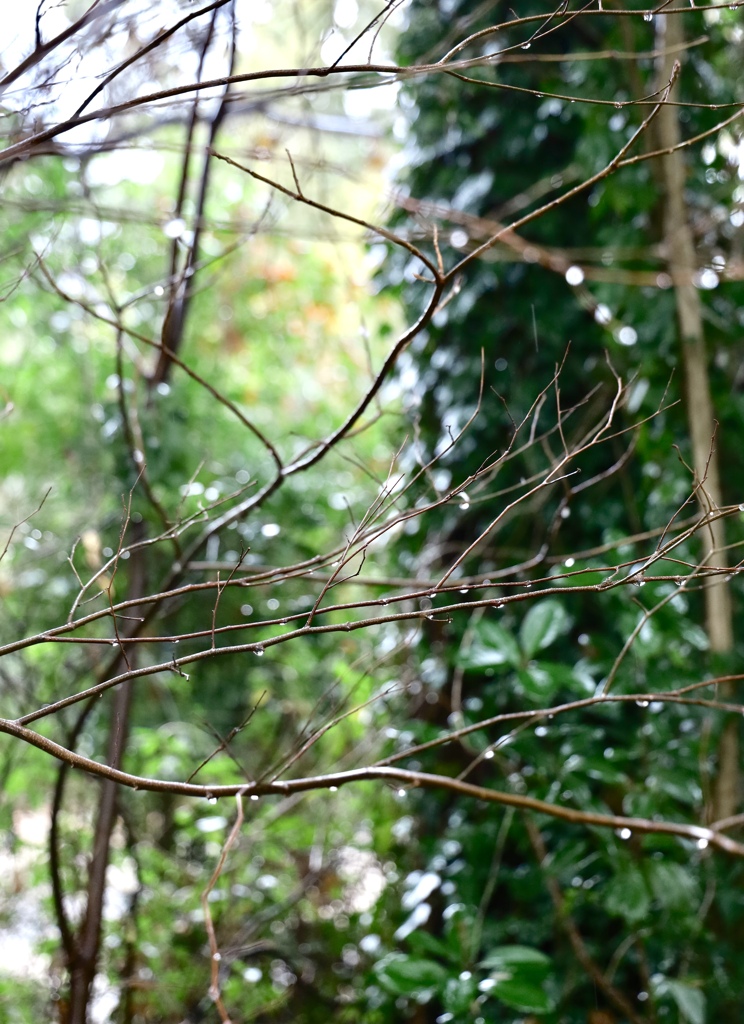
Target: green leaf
542,679
672,885
493,645
421,942
459,993
543,624
522,995
627,896
518,973
406,975
690,999
517,959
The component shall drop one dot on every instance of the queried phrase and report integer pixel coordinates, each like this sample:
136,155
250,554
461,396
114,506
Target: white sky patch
345,13
361,103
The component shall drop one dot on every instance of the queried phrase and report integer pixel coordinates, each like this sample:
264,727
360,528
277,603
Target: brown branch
95,11
401,776
215,994
182,283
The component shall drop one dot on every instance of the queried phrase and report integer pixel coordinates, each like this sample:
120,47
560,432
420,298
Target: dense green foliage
658,919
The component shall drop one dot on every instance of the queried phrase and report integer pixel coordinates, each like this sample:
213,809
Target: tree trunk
683,267
87,943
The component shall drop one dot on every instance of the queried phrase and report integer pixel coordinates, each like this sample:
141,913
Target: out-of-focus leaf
493,645
423,942
517,976
459,993
523,960
408,976
627,895
542,625
542,679
522,995
690,999
672,885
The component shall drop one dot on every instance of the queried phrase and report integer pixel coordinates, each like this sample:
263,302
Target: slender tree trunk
683,266
87,943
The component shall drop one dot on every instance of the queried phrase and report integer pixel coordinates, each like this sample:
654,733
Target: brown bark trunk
87,942
683,267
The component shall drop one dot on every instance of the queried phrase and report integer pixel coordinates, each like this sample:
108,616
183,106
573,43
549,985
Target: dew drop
648,16
642,703
702,843
489,755
333,789
625,833
526,46
254,797
258,651
211,799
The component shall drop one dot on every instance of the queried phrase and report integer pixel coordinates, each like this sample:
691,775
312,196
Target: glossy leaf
521,994
410,976
517,960
493,646
542,625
